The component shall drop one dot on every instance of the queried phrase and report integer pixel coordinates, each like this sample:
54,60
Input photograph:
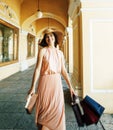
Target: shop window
30,45
8,43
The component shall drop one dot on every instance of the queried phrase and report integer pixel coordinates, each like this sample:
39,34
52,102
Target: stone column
23,51
70,48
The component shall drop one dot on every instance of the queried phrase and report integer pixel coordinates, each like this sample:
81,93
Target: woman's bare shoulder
60,51
42,51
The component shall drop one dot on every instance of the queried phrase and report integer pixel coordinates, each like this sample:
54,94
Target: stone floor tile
71,125
26,123
18,97
13,92
13,107
5,97
9,120
69,114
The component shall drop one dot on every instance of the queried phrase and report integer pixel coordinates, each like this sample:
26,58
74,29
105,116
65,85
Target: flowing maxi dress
50,109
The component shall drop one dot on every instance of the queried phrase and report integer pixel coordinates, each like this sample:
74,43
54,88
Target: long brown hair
43,42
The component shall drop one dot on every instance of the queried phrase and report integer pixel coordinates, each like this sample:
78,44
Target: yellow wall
97,42
7,8
93,49
12,7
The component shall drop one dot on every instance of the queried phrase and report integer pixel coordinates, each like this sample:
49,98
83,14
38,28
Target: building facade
85,28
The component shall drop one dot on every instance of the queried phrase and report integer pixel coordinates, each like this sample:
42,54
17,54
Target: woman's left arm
66,76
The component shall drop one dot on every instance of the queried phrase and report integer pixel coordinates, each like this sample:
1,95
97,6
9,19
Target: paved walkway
12,100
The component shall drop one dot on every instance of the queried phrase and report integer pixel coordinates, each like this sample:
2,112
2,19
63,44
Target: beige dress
50,109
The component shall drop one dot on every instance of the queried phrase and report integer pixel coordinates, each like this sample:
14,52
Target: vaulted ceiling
55,14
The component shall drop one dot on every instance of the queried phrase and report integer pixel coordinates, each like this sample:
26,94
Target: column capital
68,29
73,8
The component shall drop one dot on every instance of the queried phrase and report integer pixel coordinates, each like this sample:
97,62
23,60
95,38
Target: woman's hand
72,92
30,92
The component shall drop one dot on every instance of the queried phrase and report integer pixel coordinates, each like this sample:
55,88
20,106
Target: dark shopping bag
78,112
94,105
90,117
87,112
92,110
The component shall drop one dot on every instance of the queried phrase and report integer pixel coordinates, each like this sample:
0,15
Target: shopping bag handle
74,97
76,100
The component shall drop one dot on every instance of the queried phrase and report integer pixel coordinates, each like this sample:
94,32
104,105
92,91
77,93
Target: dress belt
50,73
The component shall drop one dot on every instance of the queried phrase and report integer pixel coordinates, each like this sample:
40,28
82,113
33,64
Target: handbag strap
76,100
74,97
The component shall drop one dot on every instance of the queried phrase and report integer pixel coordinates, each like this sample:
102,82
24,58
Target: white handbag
31,101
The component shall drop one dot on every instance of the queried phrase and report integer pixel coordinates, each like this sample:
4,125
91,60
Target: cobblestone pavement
13,116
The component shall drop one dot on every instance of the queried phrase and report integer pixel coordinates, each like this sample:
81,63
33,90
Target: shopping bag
78,111
31,100
92,110
90,117
94,105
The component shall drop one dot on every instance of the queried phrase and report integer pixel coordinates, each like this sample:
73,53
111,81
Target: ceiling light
39,14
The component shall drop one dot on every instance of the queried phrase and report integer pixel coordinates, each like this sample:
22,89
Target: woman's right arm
37,71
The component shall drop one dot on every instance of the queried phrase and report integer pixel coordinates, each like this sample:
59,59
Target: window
8,43
30,45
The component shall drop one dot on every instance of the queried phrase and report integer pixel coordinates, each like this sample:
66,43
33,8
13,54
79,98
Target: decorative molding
31,29
6,20
91,22
8,13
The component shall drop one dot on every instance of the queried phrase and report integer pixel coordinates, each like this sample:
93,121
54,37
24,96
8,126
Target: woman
50,114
